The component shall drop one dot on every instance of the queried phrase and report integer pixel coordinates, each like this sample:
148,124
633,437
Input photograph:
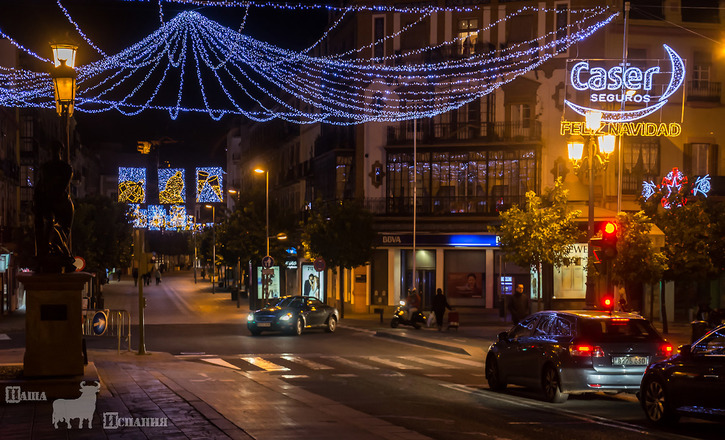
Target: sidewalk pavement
179,399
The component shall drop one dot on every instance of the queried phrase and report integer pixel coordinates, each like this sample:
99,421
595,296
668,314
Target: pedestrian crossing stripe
432,363
351,363
264,364
221,362
312,365
393,364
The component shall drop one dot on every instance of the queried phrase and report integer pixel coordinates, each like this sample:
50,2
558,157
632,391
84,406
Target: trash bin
699,328
235,293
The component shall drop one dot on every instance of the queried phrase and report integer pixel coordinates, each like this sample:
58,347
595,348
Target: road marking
221,362
306,362
528,403
392,363
350,363
294,376
438,375
4,337
345,375
263,364
432,363
461,361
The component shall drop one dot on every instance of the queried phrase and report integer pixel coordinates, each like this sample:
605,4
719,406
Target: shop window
467,36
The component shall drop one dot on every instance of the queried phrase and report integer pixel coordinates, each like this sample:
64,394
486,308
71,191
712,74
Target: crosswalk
300,366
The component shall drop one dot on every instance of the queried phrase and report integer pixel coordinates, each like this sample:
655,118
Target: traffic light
608,303
609,240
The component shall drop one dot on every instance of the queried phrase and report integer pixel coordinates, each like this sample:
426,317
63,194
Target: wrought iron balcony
703,91
431,132
442,205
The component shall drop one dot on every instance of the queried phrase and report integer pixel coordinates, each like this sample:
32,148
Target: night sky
116,24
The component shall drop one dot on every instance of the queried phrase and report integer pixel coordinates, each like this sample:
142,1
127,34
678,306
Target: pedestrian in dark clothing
157,274
134,274
440,304
519,305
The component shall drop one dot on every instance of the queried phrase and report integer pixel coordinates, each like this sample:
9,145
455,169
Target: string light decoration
674,186
172,186
156,217
209,185
138,216
177,217
131,185
193,64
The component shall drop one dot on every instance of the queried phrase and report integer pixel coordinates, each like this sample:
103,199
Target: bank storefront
468,267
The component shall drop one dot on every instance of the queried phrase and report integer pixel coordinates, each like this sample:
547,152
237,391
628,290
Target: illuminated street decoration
631,84
156,217
172,188
209,187
138,216
574,128
177,217
236,74
131,185
673,186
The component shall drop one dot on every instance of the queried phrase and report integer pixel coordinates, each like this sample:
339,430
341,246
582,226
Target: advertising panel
313,282
274,287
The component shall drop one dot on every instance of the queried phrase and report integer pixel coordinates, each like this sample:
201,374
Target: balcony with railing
442,205
429,132
703,92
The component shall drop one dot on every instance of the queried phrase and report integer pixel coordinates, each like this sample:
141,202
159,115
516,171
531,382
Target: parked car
691,383
573,352
291,314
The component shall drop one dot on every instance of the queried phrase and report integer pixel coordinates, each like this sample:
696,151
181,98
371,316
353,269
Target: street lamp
595,160
64,84
266,198
213,239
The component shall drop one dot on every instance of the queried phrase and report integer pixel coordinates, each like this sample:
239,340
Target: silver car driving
572,352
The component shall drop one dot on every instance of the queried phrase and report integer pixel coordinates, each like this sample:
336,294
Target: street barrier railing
118,324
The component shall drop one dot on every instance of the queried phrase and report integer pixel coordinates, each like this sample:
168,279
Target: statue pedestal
53,324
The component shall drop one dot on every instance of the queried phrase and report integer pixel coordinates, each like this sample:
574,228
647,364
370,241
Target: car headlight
250,317
285,317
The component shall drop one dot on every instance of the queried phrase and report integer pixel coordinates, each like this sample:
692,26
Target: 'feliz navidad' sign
644,85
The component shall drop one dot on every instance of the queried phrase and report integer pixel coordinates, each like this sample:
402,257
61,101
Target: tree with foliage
637,260
340,232
543,233
102,234
694,242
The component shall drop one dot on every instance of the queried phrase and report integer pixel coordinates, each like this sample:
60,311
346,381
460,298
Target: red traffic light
608,302
610,228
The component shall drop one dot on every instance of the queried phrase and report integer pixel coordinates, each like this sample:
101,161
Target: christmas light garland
236,74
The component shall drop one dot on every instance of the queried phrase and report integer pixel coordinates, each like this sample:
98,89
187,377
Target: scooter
417,319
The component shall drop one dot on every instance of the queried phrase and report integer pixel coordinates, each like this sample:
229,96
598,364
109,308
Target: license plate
630,360
264,324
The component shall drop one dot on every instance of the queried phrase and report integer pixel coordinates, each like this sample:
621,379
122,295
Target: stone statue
53,210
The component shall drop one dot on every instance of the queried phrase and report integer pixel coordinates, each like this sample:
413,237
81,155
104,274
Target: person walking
440,304
157,273
519,305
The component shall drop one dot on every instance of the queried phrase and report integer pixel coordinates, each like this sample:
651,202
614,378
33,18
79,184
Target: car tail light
665,349
586,350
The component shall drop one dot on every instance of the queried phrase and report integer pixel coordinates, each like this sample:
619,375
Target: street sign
267,271
319,265
79,263
100,321
267,262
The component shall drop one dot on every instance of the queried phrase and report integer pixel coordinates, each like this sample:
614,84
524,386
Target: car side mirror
503,336
685,350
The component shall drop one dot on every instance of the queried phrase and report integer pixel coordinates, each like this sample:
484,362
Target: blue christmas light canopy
193,64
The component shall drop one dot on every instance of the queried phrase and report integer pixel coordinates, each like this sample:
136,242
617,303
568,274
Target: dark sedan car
572,352
692,383
291,314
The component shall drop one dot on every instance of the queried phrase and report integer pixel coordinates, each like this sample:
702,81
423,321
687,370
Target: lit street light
213,239
601,157
64,85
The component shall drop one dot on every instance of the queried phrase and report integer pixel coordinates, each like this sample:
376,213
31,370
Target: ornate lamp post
64,84
599,149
